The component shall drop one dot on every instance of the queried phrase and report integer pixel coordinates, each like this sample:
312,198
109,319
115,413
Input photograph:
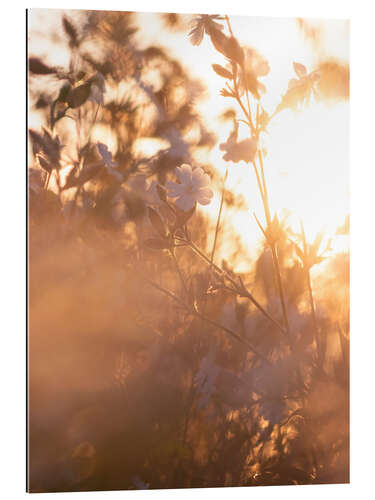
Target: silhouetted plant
152,363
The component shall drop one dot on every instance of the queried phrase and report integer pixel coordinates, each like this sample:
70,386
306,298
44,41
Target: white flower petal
174,189
205,180
197,176
206,192
197,172
185,202
204,201
184,173
200,179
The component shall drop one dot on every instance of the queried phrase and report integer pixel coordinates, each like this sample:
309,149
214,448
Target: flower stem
179,272
229,25
196,313
280,286
313,314
243,292
219,217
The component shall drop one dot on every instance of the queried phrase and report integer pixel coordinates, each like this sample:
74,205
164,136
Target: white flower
192,188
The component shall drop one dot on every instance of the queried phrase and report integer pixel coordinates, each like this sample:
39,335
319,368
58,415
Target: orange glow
307,161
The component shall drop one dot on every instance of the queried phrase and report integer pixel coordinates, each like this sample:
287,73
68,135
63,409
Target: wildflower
237,151
193,187
254,67
204,24
299,89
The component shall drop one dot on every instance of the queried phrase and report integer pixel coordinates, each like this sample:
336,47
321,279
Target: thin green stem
258,181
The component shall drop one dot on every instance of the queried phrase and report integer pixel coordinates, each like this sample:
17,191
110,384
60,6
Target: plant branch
243,292
182,279
219,216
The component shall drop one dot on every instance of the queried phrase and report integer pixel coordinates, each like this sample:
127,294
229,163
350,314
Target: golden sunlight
188,251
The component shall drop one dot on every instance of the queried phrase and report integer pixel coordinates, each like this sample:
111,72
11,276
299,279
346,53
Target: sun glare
307,152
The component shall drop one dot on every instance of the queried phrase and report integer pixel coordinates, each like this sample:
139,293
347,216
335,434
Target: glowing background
307,161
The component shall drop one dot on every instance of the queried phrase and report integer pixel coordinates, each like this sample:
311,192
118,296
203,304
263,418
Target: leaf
226,93
79,95
234,51
219,40
300,69
44,163
204,24
47,146
156,244
345,228
37,141
196,35
157,222
317,242
71,31
221,71
63,93
299,252
37,67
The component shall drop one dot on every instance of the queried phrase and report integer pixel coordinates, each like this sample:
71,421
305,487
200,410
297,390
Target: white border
12,210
